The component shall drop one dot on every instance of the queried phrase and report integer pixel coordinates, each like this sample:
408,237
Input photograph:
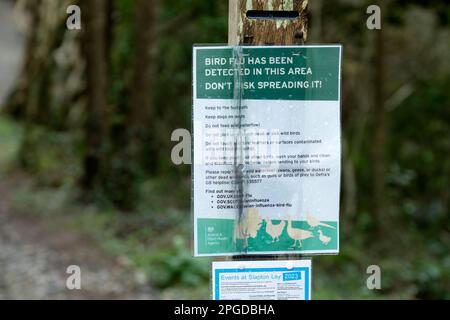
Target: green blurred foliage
413,250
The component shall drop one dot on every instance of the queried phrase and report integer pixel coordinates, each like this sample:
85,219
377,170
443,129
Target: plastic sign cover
267,149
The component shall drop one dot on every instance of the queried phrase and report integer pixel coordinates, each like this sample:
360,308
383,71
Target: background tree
95,50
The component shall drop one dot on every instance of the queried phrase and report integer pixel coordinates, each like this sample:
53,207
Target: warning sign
267,149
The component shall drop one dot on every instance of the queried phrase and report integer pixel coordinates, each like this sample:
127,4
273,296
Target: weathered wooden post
271,107
267,22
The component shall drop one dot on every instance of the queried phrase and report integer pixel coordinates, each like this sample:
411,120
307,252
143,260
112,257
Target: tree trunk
142,80
379,134
94,46
17,100
316,24
132,137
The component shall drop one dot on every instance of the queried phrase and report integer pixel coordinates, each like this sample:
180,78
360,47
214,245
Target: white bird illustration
297,234
323,238
314,222
274,230
249,226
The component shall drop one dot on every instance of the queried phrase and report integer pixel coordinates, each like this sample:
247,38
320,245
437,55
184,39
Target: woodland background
86,128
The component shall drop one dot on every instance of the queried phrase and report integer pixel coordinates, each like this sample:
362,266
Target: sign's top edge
224,46
262,263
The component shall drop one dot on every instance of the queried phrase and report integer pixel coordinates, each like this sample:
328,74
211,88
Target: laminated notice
267,149
262,280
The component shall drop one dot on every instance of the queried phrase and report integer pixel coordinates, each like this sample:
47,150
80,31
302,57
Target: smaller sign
262,280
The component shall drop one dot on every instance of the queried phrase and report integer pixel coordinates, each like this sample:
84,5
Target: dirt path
34,256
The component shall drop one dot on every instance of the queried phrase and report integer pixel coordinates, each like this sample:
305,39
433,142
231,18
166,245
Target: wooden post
274,22
267,22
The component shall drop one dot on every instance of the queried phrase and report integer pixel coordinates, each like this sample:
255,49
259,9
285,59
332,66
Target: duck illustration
323,238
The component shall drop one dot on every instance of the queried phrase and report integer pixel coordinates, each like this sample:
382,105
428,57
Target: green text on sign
268,73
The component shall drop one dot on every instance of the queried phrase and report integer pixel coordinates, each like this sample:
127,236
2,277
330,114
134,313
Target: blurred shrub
175,266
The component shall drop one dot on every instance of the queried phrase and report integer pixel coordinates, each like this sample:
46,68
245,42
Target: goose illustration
314,222
297,234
